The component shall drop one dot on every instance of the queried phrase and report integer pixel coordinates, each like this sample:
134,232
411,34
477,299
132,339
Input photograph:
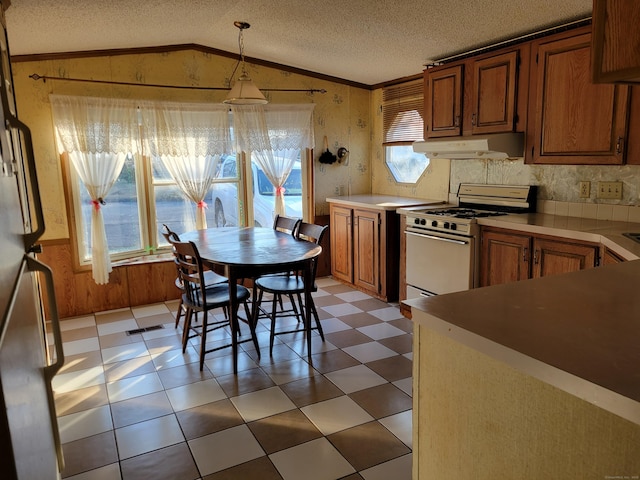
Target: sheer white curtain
189,139
97,134
275,135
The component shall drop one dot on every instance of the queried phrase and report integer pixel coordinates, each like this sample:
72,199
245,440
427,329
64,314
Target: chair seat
212,278
217,296
284,284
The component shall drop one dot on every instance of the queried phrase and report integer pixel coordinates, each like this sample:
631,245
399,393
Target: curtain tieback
96,203
202,204
280,191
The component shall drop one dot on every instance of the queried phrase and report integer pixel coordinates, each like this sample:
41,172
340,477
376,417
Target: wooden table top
251,246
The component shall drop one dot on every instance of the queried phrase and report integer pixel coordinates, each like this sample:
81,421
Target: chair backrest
311,232
169,235
286,224
191,272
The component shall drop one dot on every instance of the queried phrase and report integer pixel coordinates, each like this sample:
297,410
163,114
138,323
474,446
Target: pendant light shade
244,91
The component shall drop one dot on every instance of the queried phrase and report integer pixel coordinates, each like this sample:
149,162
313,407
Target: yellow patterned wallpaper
343,114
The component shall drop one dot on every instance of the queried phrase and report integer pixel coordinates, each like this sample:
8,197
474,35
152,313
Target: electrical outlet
610,190
585,189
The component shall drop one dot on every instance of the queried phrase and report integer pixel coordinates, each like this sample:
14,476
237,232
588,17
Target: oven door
439,263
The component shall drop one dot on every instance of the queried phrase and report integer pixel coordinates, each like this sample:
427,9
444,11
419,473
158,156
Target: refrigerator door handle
30,238
52,369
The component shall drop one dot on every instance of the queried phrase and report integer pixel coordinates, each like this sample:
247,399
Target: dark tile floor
135,407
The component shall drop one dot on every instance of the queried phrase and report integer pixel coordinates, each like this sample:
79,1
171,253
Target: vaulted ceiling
363,41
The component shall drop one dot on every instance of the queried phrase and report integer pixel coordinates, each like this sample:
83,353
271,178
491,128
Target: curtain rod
44,79
510,42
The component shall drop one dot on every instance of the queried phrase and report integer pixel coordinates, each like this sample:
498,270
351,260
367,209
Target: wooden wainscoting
129,285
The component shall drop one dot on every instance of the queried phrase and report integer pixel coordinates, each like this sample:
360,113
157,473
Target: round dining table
249,252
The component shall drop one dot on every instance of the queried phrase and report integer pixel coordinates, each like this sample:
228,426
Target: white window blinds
403,113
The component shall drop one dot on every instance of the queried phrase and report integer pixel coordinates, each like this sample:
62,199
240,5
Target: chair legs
205,328
298,309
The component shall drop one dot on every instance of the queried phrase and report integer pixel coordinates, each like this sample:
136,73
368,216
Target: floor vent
142,330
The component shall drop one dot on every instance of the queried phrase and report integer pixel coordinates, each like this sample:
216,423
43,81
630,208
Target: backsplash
558,191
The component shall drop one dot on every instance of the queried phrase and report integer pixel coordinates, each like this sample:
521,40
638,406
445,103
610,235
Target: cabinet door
575,121
494,94
504,258
443,102
551,257
341,243
366,249
610,258
616,52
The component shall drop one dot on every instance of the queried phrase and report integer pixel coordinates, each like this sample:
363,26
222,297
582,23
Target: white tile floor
134,407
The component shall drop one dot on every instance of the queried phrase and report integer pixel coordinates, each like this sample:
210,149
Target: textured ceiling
363,41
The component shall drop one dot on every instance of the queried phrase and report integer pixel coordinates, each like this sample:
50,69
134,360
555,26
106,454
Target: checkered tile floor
135,407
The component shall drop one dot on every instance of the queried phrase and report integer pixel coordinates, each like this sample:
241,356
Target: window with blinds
403,124
403,113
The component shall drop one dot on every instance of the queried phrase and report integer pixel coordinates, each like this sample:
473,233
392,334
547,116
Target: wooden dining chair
286,224
210,278
200,298
293,286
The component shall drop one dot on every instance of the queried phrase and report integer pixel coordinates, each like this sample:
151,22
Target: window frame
146,184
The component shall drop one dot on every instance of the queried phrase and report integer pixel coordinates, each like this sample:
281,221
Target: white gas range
442,243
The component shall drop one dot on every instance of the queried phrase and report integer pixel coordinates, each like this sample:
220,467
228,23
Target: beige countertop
607,232
579,332
381,202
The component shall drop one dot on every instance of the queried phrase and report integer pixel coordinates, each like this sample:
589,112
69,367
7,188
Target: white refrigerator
29,440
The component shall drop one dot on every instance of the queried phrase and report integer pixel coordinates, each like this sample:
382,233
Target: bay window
179,168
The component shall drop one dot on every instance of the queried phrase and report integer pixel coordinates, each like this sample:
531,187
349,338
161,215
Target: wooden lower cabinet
610,258
504,257
508,256
365,249
552,257
341,237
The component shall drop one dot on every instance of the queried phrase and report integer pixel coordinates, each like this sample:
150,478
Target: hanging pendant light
244,91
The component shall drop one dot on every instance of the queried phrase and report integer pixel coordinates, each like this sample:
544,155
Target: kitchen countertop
607,232
578,332
382,202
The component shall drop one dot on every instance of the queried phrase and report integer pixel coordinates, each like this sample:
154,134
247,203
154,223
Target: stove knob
416,221
434,223
453,226
423,222
445,224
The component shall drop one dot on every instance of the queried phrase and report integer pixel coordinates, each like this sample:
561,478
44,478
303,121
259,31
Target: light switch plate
610,190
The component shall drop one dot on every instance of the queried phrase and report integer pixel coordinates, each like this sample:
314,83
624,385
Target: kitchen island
538,379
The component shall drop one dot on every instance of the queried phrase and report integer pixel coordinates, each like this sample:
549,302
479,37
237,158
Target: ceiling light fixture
244,91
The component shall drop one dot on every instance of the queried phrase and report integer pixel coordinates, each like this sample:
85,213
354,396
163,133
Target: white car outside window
225,195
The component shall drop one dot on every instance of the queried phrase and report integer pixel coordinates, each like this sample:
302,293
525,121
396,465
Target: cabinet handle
456,121
473,119
525,254
619,145
536,257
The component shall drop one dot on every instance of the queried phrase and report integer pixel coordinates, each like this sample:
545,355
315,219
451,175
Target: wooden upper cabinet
443,102
616,43
494,94
572,120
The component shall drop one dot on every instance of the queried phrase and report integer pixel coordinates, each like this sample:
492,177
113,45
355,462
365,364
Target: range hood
498,145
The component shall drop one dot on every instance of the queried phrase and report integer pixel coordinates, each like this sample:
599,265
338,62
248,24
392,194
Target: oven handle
442,239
